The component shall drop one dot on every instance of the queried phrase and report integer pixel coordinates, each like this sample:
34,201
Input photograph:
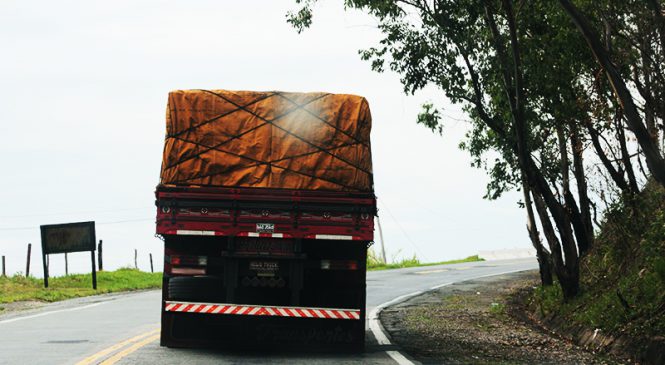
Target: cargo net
313,141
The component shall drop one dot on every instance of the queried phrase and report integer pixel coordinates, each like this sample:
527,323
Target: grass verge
373,263
19,288
622,279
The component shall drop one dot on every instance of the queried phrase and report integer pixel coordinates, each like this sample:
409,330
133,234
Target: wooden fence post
27,265
136,265
99,256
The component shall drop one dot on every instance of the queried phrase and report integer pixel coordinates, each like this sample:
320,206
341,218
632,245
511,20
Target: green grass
19,288
623,277
374,263
498,310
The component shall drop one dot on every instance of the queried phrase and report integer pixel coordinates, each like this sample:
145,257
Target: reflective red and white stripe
253,310
332,237
188,232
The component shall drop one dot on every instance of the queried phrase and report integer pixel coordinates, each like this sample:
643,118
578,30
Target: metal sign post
65,238
94,270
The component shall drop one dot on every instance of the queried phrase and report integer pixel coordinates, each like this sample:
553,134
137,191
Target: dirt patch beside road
468,323
19,306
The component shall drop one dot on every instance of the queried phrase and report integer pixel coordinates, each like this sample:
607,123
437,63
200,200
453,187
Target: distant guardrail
506,254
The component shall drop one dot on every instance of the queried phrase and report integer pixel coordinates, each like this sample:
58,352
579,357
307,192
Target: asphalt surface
87,329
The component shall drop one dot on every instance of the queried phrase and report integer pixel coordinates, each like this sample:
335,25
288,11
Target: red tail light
186,265
177,260
339,265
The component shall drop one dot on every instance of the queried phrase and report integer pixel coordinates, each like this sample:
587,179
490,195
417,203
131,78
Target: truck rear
266,207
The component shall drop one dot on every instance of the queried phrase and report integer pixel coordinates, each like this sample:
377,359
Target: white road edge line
380,333
120,297
51,312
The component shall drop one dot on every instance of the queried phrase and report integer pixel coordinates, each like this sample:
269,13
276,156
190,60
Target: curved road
122,329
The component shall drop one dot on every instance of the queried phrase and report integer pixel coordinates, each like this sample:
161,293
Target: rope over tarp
310,141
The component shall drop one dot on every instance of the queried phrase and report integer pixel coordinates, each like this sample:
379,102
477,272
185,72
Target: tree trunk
660,19
529,169
580,230
516,98
545,268
614,174
655,161
570,249
571,212
582,189
625,157
649,117
541,253
566,271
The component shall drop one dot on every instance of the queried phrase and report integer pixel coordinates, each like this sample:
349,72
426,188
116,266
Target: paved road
120,328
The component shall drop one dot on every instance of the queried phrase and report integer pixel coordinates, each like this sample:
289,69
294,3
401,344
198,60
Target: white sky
82,121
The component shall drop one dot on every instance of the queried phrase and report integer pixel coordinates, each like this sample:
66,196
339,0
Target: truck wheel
195,288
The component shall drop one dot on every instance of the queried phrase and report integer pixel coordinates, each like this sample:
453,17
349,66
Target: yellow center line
91,359
113,359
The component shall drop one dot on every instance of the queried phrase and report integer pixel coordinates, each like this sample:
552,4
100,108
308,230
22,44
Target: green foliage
475,52
373,260
623,277
451,46
548,299
19,288
659,268
301,19
430,117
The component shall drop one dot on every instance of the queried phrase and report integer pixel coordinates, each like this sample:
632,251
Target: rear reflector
188,270
253,310
185,232
339,265
331,237
178,260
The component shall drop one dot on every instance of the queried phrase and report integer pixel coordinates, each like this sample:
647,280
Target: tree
521,74
642,132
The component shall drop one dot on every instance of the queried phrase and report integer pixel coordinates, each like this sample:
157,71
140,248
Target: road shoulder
468,322
27,308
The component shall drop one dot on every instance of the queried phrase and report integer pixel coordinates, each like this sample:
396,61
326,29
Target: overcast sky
84,87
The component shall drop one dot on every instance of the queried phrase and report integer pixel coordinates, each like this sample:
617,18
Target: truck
266,209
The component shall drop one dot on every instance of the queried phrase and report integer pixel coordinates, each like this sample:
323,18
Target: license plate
265,227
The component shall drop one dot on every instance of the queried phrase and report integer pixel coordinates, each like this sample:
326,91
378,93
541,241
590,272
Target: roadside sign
70,237
65,238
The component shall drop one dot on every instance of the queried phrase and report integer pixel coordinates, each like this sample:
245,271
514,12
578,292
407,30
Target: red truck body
295,213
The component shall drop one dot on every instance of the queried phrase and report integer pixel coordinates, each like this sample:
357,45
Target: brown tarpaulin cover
313,141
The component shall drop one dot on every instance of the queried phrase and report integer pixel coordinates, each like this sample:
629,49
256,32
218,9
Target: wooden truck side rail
265,213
